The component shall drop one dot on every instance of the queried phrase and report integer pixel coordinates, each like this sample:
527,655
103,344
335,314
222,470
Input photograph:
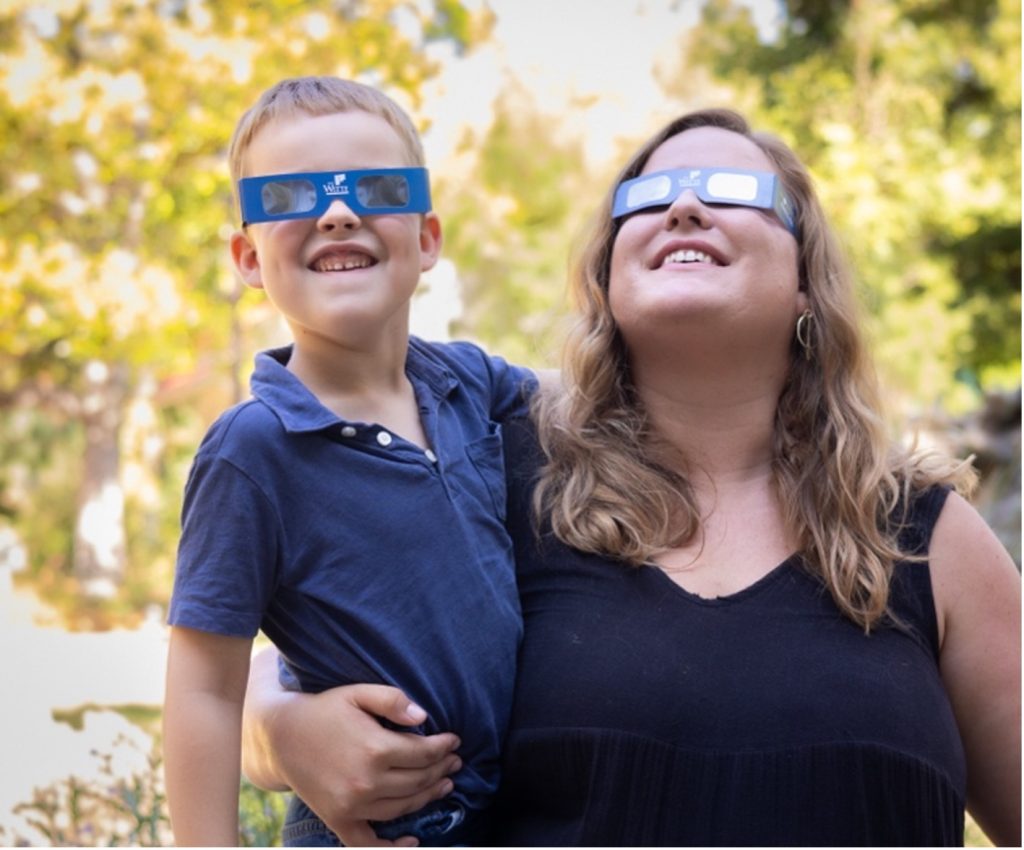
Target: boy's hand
331,749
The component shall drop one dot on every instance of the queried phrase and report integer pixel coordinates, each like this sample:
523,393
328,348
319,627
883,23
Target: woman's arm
978,599
331,749
202,735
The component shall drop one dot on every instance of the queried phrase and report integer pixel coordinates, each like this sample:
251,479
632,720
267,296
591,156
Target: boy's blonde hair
319,96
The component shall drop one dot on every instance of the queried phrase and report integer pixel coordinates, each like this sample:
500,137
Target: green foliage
510,237
129,811
908,114
260,816
113,812
114,190
116,193
115,116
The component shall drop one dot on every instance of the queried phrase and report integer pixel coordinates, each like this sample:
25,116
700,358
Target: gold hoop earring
804,326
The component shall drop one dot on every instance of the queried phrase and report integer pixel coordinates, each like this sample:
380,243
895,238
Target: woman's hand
331,749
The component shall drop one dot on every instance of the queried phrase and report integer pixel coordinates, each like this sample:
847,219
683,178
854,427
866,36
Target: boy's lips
342,258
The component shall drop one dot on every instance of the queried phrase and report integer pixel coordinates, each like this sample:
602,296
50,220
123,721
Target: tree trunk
99,543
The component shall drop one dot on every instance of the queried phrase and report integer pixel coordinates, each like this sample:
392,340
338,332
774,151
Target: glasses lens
288,196
648,191
382,190
725,186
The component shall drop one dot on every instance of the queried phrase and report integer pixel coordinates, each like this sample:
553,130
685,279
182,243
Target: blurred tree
114,193
908,114
510,236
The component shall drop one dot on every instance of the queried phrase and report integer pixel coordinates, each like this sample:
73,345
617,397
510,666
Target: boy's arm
206,676
331,749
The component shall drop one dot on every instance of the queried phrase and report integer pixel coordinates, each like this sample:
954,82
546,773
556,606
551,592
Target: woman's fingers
360,834
384,809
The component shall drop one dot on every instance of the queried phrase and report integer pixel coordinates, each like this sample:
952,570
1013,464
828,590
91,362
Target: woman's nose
687,208
338,215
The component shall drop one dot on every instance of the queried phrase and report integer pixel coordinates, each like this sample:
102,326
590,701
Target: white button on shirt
430,456
384,438
348,431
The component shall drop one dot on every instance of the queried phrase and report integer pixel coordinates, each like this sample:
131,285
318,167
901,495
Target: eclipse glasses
732,186
380,191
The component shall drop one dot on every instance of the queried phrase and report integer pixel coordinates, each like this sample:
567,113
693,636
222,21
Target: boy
353,509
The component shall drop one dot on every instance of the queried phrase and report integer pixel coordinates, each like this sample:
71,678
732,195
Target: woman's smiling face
696,259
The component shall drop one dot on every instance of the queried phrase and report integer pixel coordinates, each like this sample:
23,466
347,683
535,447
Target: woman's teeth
689,256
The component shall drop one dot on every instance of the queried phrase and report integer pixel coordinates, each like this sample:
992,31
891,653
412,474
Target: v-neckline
751,589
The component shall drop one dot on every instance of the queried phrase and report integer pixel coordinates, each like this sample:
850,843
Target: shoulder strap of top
924,509
910,595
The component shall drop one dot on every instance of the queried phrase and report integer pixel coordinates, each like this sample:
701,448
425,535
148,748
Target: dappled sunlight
437,303
116,286
215,53
100,526
24,75
126,329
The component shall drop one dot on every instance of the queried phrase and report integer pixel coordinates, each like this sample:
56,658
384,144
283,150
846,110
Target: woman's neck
718,424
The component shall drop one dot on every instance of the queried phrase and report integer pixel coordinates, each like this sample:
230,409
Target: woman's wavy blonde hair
839,477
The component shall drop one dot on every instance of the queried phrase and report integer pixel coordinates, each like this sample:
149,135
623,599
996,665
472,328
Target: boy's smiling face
341,276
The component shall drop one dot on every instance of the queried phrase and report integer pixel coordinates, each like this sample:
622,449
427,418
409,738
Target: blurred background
123,331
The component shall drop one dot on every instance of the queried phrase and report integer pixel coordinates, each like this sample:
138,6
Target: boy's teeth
689,256
333,263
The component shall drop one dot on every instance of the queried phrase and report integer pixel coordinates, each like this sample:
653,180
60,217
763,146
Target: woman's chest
774,666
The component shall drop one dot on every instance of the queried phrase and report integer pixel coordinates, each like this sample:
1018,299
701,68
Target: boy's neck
361,383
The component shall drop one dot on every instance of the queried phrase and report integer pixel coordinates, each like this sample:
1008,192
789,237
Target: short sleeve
510,387
227,555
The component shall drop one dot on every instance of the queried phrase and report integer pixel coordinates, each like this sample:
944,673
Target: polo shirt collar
423,364
300,411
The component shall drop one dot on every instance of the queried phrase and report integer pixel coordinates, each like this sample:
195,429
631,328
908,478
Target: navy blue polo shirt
363,557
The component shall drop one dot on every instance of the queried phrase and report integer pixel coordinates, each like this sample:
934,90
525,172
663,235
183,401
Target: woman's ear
246,259
802,302
431,240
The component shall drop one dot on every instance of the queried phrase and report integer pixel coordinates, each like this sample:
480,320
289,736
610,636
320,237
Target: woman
749,618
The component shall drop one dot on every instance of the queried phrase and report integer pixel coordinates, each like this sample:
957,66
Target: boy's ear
431,239
246,259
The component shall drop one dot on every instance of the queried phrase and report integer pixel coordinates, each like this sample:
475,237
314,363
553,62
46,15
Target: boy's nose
338,214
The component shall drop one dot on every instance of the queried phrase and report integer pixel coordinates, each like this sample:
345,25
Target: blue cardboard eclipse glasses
760,189
380,191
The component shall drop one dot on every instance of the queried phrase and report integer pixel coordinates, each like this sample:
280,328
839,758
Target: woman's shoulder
970,568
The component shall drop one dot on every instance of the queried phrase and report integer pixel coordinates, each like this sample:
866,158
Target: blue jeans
443,823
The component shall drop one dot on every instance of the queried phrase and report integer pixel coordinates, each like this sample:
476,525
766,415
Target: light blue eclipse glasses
732,186
380,191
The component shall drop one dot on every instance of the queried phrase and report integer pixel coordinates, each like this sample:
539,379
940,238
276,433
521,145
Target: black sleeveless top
646,715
